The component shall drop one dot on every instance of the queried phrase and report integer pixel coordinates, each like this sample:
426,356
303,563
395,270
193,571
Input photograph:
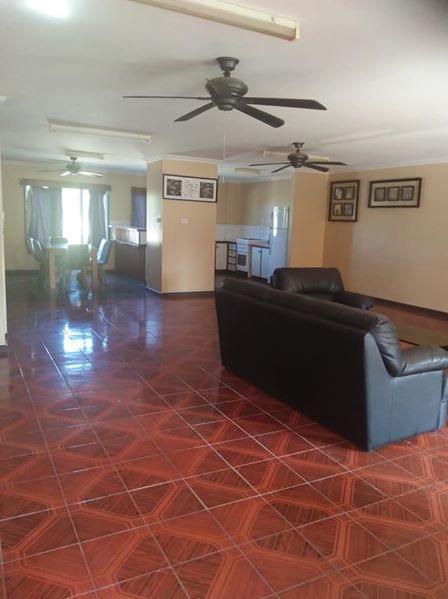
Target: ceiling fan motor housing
226,92
297,159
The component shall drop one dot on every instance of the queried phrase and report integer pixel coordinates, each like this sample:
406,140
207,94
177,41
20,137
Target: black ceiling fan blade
172,97
268,163
281,168
193,113
287,102
326,162
316,168
260,115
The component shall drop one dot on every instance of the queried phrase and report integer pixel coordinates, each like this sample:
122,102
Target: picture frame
343,201
190,189
395,193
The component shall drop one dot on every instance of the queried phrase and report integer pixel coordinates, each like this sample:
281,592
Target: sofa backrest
308,280
379,326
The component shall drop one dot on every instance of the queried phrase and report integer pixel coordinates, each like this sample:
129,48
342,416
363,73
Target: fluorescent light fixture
247,171
59,126
52,8
232,14
81,154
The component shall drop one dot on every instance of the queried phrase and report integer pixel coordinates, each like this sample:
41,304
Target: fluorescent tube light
232,14
59,126
81,154
53,8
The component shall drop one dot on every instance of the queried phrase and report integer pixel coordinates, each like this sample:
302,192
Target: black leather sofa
320,283
340,365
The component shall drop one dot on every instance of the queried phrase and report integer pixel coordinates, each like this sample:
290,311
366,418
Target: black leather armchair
319,283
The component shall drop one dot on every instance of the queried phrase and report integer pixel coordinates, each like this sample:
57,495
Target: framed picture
191,189
395,193
344,201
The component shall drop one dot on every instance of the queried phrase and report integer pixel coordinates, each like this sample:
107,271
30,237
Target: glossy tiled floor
132,465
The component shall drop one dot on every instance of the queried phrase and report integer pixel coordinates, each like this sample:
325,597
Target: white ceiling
380,67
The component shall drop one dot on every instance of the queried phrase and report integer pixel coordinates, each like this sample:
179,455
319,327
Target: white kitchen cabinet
265,264
221,256
259,262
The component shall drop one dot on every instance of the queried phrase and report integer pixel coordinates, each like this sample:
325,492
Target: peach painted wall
185,239
400,254
308,219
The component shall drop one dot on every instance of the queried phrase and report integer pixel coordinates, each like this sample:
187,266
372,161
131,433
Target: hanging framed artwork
192,189
343,205
395,193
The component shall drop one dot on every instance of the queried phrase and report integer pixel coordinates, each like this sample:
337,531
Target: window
75,215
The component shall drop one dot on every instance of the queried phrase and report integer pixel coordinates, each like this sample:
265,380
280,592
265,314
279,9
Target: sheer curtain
44,207
98,216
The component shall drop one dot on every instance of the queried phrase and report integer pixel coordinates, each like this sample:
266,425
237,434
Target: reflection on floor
132,465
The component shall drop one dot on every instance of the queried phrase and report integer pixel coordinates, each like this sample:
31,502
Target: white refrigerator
278,238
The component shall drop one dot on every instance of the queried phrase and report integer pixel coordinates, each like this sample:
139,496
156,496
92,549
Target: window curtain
138,208
45,213
98,216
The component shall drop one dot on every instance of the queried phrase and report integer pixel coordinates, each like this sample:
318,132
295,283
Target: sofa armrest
423,359
356,300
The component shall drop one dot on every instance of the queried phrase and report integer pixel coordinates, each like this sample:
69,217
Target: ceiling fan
228,93
297,159
73,168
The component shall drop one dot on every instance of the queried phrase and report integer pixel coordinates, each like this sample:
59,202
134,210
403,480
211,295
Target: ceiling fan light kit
74,168
63,127
235,15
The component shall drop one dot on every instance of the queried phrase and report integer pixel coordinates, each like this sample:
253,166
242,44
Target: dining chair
77,258
102,258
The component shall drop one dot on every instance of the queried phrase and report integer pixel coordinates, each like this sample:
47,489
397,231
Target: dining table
60,249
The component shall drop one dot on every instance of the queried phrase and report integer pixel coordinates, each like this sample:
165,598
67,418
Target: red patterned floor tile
242,451
55,574
249,519
388,575
342,541
389,521
105,516
389,478
125,449
146,472
350,456
81,457
36,533
161,421
348,491
90,484
190,537
333,586
238,408
201,414
122,556
223,574
24,468
429,468
284,442
302,505
289,417
33,496
429,505
179,438
313,465
286,559
70,437
187,399
166,501
429,556
157,584
269,475
222,430
258,424
218,488
220,395
201,461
